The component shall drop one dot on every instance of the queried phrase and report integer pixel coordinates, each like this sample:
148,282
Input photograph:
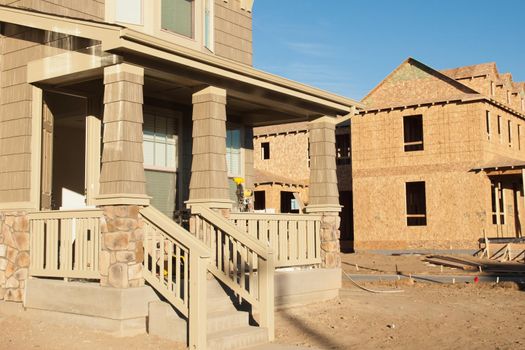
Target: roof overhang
149,51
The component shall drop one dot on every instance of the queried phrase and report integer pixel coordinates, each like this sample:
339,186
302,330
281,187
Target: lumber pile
476,264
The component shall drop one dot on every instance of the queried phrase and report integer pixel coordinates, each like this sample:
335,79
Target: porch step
224,320
229,328
237,338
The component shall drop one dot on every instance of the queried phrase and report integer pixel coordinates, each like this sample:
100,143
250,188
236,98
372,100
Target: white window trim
209,4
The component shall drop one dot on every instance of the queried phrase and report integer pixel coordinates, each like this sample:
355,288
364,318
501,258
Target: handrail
275,216
65,214
229,228
240,261
174,230
176,264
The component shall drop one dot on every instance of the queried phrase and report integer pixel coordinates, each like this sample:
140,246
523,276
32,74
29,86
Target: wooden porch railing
294,238
239,260
65,244
175,264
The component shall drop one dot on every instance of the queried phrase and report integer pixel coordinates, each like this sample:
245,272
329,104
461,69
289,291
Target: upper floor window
519,137
487,123
178,16
509,127
129,11
499,127
265,150
413,133
492,88
523,104
209,24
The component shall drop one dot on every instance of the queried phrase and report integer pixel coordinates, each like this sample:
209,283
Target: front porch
135,146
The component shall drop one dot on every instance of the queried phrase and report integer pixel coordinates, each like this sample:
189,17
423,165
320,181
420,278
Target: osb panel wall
411,82
497,144
20,45
233,32
454,220
288,155
273,194
85,9
451,135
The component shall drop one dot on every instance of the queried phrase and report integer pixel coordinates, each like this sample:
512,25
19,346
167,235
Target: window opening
413,133
416,203
265,150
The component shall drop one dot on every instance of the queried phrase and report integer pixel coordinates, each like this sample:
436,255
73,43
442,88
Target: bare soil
423,316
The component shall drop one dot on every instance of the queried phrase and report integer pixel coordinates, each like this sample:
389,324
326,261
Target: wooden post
267,294
198,302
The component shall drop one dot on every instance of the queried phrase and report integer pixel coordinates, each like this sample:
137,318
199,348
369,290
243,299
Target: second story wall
451,135
287,153
233,31
84,9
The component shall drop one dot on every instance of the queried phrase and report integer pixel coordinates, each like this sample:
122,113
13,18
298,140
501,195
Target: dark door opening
347,222
288,203
260,200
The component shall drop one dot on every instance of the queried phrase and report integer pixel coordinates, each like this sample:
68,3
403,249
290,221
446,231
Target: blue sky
349,46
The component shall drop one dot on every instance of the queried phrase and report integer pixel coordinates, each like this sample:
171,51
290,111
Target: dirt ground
368,263
424,315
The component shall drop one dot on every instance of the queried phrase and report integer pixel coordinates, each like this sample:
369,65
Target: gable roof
463,91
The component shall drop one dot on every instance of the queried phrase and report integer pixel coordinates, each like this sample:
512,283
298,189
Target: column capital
210,94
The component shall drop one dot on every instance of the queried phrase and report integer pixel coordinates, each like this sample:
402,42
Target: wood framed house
116,116
438,159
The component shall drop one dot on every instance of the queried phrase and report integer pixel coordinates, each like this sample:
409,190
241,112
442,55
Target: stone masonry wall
121,256
14,255
330,250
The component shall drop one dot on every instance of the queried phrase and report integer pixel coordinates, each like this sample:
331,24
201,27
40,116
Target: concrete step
220,303
237,338
224,320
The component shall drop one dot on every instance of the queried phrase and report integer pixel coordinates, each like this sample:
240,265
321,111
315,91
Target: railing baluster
178,276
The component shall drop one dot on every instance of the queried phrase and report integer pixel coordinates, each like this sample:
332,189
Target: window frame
141,22
193,22
488,125
177,126
229,128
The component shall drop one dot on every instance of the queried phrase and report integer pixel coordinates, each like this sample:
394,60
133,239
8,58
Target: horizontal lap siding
18,46
233,32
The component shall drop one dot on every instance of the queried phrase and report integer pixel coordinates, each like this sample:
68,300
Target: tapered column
122,179
323,191
209,175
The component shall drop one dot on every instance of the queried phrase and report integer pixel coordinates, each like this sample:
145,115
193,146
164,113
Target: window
289,203
492,88
519,137
416,204
342,144
209,25
498,207
160,161
523,104
413,133
233,152
129,11
509,127
177,16
265,150
160,142
499,127
259,200
487,123
508,96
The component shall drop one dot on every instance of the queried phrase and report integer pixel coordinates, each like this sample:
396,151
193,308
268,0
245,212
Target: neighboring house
115,117
282,170
438,158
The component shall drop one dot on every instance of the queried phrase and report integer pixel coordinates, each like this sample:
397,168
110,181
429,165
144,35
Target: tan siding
85,9
233,32
19,46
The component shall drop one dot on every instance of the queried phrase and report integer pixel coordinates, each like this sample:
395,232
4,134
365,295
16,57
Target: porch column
122,179
323,191
209,174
